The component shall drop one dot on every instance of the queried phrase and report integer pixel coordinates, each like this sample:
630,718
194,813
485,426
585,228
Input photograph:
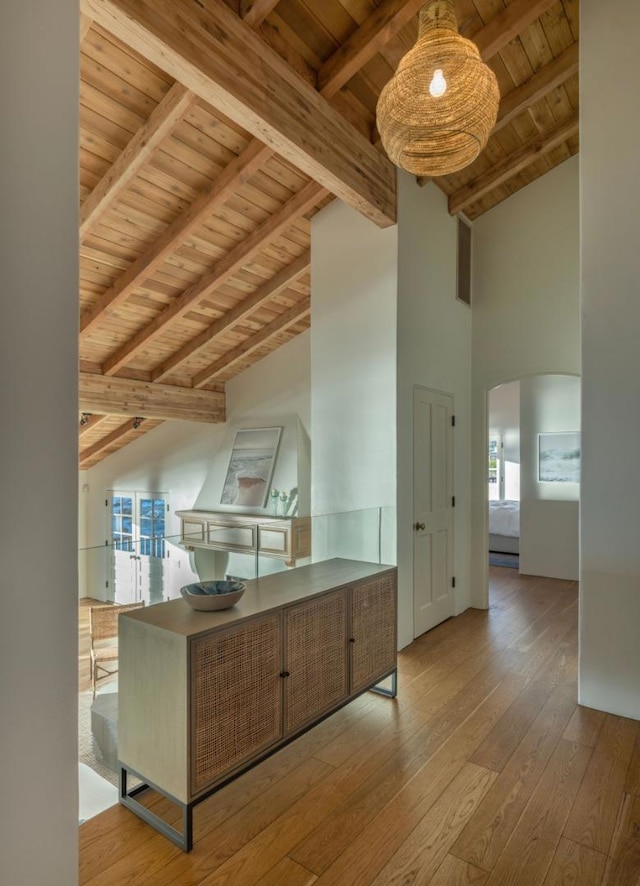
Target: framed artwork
251,464
559,457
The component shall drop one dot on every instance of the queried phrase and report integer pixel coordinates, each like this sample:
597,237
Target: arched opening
533,488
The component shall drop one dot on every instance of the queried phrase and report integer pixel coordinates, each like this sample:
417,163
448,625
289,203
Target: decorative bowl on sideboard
206,596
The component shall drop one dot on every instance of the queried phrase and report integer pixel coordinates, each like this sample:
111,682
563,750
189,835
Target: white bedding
504,518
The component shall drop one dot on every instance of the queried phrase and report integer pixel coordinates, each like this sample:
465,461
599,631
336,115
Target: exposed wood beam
169,111
389,18
205,49
513,164
90,422
228,265
507,24
85,25
254,12
215,195
242,351
538,85
121,431
276,40
122,396
268,290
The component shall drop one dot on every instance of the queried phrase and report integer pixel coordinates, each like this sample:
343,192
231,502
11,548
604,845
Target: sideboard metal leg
389,693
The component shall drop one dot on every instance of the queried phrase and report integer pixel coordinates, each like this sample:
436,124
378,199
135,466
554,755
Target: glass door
139,554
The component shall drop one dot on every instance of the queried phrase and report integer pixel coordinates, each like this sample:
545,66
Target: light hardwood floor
484,771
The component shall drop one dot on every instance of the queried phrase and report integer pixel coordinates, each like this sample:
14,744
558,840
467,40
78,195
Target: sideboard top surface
262,595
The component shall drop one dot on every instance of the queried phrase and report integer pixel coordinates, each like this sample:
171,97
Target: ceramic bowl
210,595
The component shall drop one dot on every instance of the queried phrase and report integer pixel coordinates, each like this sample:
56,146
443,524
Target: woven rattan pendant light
436,113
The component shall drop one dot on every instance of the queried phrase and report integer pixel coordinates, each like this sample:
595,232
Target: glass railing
243,547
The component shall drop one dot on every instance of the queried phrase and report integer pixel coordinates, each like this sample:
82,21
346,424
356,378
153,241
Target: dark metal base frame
184,838
389,693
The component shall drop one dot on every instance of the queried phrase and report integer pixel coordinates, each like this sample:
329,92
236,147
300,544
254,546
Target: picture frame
559,455
250,469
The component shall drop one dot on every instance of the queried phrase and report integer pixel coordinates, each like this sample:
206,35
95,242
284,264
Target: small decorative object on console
210,595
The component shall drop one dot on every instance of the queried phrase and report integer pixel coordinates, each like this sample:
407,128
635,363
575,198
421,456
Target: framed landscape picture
559,457
251,464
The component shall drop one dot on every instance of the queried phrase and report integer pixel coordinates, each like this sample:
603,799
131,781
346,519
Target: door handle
418,527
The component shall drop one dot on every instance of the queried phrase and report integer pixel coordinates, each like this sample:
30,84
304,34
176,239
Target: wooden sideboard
205,695
287,538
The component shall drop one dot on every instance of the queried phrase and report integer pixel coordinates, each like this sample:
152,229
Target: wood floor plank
289,873
509,731
422,853
624,864
528,854
585,726
632,782
367,854
341,828
575,864
483,840
453,872
593,816
235,832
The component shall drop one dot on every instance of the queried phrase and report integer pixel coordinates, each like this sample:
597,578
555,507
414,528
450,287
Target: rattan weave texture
437,135
236,697
373,628
315,657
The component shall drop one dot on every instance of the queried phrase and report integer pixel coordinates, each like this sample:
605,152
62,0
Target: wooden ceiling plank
105,442
268,290
206,49
243,350
150,135
536,87
124,396
85,26
230,264
254,12
383,24
507,24
225,185
513,164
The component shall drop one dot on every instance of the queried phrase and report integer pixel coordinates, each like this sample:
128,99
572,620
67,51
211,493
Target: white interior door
139,553
433,508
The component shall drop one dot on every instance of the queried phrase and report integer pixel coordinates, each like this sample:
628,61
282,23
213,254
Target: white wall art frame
251,465
559,457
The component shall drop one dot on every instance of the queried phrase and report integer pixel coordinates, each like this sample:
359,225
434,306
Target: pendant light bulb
431,124
438,85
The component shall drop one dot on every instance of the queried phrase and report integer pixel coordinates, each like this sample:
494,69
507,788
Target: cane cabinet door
372,645
236,697
315,669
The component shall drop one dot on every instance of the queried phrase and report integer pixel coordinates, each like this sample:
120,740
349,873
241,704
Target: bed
504,526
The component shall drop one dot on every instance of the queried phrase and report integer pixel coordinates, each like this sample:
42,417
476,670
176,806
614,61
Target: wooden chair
103,630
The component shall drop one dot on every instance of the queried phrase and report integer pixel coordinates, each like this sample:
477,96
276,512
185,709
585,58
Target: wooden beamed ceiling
211,131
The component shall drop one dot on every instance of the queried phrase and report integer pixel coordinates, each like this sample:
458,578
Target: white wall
353,361
434,351
188,460
610,521
39,408
548,511
526,315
